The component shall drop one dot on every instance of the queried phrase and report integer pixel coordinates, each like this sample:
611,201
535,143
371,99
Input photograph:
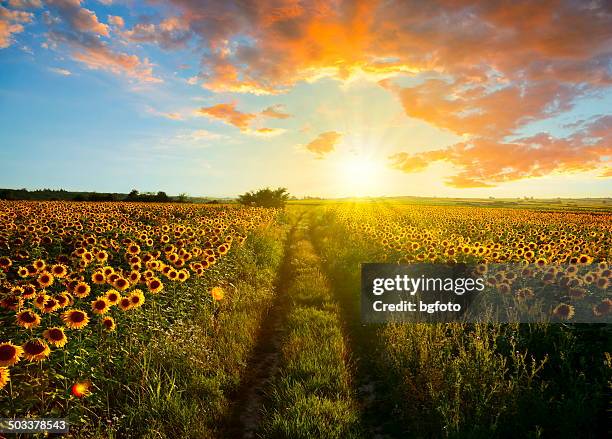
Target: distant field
584,204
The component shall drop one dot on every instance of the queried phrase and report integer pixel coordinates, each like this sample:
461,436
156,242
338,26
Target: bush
265,198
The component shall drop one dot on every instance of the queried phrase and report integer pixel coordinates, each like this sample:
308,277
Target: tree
133,195
162,196
265,198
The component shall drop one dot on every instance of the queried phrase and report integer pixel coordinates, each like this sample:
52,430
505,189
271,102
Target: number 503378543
32,425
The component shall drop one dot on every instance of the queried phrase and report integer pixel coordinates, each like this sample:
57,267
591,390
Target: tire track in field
312,393
245,410
362,342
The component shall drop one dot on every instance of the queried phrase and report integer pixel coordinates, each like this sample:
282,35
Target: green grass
311,396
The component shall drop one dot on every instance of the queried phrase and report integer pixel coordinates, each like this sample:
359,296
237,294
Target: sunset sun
360,174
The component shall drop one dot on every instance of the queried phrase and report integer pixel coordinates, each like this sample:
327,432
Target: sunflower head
36,350
5,377
564,311
109,323
75,318
27,319
125,303
55,336
81,290
9,353
113,297
155,285
100,305
45,280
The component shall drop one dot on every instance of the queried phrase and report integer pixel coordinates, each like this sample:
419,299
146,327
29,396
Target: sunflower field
85,287
549,378
178,320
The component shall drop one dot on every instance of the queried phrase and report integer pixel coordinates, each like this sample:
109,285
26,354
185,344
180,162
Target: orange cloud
80,19
267,132
11,23
227,113
324,143
486,162
79,29
291,41
170,33
466,108
25,4
116,21
101,57
275,112
167,115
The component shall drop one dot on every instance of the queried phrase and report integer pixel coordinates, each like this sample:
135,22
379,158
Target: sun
360,174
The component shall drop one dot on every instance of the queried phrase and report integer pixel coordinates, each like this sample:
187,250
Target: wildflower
217,293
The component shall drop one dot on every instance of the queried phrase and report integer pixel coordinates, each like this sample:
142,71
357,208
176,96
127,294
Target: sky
326,98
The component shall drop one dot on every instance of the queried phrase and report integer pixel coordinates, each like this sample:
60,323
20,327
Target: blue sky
172,100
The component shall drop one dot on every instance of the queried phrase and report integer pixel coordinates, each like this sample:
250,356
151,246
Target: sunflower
5,263
125,303
107,271
75,318
23,272
64,299
564,311
603,308
81,290
155,285
98,278
133,249
112,296
9,353
59,270
134,277
183,275
55,336
137,298
39,265
36,350
12,302
121,284
45,280
217,293
50,305
27,319
100,305
5,376
29,291
602,283
87,258
109,323
39,301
